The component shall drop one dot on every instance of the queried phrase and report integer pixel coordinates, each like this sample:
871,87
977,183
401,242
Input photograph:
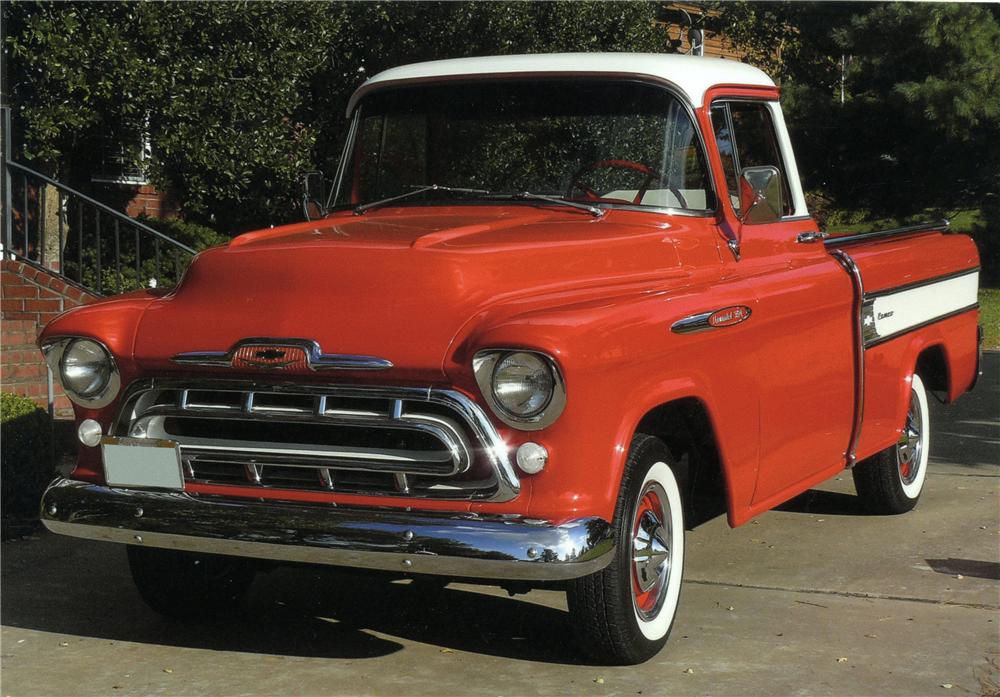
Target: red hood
398,284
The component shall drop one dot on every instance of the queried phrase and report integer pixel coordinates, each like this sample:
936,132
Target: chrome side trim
893,312
889,337
846,261
836,241
713,319
692,323
317,360
449,544
920,284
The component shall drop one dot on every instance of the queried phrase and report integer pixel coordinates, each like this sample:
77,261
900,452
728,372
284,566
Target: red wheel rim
651,551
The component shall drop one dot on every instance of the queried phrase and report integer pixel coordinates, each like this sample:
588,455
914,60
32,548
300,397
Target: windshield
594,141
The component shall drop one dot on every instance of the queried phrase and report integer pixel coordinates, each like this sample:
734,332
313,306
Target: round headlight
85,368
523,384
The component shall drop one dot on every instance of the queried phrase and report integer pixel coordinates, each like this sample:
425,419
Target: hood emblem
274,358
289,355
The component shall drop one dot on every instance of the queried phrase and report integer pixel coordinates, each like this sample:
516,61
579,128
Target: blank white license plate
142,463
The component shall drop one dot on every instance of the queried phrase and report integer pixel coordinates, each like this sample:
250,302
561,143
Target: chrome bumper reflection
460,545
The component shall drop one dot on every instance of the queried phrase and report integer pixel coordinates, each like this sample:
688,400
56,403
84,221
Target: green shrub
986,232
26,461
125,276
197,236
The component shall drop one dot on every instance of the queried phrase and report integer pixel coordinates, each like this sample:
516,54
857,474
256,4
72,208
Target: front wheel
186,585
891,481
624,613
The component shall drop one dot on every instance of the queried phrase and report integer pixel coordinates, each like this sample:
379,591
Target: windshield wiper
359,210
593,210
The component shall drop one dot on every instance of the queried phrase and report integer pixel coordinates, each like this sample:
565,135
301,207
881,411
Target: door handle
806,237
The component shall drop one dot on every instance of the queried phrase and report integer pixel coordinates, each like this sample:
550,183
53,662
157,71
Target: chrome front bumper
448,544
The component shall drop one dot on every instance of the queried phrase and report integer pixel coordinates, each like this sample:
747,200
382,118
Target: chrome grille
398,441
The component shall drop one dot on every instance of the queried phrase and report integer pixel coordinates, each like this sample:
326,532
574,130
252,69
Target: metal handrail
97,204
110,250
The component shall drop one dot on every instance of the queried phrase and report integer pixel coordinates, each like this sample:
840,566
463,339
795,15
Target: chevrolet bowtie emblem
292,355
270,357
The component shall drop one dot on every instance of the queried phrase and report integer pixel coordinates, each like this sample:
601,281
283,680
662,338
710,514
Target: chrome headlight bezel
484,365
54,351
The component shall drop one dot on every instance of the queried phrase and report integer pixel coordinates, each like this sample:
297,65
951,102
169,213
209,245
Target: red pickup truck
555,310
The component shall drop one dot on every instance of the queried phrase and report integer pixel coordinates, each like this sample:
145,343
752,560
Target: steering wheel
651,175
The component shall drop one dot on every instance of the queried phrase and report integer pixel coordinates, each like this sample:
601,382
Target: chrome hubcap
651,552
909,449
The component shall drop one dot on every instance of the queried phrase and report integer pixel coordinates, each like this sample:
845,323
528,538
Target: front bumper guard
449,544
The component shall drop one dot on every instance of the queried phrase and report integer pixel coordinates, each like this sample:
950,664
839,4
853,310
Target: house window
124,160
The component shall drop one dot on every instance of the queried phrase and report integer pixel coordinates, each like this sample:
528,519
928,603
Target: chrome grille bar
428,442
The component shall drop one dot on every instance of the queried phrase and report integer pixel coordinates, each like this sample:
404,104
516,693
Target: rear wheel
891,481
188,585
624,613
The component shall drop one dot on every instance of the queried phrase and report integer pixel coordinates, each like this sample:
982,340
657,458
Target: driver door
802,321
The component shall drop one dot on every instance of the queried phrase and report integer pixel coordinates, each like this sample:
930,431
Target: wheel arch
686,425
929,359
933,368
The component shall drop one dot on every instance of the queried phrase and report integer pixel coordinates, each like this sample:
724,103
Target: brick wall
29,298
148,201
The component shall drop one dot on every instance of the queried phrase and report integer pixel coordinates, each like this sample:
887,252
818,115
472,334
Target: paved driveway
814,598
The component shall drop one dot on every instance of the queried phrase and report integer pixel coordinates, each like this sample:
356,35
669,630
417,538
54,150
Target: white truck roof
692,75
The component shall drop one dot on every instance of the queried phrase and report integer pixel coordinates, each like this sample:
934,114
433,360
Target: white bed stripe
890,313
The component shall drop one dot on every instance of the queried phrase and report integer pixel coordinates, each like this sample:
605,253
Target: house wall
29,297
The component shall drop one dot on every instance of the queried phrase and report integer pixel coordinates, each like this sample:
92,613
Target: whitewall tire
624,613
891,481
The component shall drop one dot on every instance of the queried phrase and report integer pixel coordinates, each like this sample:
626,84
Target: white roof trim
692,75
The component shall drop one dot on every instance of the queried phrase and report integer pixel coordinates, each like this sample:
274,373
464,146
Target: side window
749,127
724,140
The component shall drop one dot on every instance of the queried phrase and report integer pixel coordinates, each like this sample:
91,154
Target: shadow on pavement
967,433
966,567
85,589
824,502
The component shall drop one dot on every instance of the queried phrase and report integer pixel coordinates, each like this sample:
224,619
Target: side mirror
760,195
313,194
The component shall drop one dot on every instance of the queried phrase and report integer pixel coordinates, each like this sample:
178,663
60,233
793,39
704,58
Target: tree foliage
220,88
919,125
239,97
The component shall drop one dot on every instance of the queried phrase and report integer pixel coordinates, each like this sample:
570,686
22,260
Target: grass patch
989,316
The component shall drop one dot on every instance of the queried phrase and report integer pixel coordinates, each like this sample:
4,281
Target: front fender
620,360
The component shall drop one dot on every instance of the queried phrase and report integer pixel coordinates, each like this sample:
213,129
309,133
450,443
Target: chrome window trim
483,364
315,358
53,349
357,103
781,139
342,164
